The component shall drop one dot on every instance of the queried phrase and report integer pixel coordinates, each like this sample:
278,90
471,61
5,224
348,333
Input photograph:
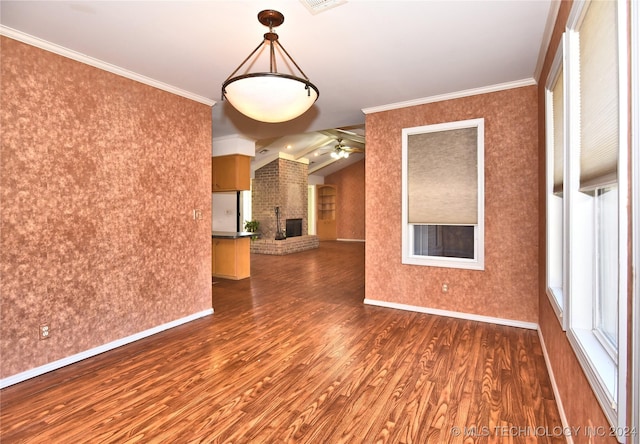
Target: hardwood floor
293,355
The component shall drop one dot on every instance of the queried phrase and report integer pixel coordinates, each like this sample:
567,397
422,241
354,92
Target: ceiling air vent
318,6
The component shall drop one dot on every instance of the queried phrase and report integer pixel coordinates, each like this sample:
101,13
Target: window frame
558,296
408,257
605,371
606,342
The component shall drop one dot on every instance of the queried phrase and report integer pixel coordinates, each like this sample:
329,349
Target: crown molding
546,38
83,58
450,96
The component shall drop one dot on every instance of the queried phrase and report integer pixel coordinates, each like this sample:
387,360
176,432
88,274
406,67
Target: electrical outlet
45,331
197,214
445,287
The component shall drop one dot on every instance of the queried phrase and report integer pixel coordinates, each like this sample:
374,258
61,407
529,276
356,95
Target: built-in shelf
326,197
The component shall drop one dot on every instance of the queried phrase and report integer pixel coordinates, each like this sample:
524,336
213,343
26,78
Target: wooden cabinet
230,258
326,197
230,173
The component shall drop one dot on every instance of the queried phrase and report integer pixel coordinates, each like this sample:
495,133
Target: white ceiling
360,54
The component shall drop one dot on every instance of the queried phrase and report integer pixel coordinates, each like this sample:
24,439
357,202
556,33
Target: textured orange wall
350,207
508,287
580,405
98,179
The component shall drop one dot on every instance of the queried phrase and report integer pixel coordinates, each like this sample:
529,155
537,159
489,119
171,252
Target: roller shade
442,177
558,132
599,76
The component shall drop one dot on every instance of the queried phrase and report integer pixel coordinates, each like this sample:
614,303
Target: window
444,240
556,153
443,195
606,275
587,195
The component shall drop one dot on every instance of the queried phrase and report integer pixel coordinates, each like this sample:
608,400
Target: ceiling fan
341,150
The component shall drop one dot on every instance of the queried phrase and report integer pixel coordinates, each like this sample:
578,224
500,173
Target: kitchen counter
230,255
230,234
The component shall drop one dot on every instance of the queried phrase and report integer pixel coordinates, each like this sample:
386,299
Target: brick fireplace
294,227
282,183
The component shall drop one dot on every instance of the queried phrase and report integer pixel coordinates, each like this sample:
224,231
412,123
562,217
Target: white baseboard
350,240
554,387
37,371
454,314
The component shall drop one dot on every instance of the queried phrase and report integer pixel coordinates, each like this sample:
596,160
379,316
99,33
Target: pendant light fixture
270,96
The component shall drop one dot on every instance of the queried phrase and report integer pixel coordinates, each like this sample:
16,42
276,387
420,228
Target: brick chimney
282,183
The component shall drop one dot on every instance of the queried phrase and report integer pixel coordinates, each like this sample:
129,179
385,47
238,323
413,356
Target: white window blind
598,96
558,132
442,177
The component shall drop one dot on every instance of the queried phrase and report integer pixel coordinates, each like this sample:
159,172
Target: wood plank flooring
293,356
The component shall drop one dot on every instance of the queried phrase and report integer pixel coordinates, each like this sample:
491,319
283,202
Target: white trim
83,58
623,216
450,96
408,257
577,13
556,307
550,200
599,369
37,371
453,314
554,387
570,172
546,38
634,390
558,62
606,377
350,240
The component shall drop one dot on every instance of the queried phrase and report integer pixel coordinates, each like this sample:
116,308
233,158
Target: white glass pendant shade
270,97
